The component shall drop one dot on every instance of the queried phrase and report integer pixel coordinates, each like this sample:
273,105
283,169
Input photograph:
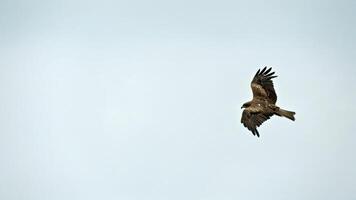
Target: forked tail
286,113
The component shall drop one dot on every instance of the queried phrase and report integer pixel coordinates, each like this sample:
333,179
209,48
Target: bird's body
262,106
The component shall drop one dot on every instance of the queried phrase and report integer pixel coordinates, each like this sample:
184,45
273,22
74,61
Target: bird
263,104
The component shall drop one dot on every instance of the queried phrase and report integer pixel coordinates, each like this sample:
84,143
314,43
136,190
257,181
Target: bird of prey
263,104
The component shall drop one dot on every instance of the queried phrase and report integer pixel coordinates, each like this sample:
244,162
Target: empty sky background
140,100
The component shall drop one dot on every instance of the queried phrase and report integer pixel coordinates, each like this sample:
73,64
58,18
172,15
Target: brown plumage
262,106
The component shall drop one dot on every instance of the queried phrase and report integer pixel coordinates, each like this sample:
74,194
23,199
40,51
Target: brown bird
263,104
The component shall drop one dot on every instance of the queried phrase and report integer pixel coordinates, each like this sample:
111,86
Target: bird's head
245,105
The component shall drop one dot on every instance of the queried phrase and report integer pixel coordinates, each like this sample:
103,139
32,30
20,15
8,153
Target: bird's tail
286,113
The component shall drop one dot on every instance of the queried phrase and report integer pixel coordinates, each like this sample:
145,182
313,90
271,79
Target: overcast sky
140,100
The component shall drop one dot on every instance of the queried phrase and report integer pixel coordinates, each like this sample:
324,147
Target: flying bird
263,104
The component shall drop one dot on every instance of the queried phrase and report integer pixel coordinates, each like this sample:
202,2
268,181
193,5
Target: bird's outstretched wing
251,120
262,85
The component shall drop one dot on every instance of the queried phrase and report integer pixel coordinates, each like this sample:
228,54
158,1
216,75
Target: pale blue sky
140,100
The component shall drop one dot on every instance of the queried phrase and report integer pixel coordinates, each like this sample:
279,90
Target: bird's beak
242,107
